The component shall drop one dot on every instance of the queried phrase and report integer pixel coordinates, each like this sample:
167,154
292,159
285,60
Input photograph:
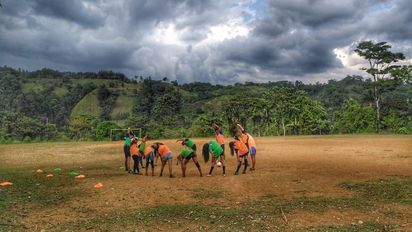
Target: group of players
136,148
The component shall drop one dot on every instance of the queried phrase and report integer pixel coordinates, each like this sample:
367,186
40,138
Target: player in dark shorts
188,154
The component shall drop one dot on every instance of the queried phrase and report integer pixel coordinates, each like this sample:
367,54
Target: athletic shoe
243,172
171,176
252,169
208,175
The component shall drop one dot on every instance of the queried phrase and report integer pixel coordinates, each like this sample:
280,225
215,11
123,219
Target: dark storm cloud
72,11
298,37
192,40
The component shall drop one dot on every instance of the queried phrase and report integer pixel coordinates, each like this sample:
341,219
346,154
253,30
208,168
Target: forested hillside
52,105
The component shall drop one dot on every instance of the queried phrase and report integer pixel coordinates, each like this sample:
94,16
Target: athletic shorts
190,156
167,157
244,154
150,157
252,151
126,150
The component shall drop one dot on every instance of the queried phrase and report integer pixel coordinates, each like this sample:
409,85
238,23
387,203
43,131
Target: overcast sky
219,41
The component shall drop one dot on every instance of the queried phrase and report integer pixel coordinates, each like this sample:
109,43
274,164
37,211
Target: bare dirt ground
287,168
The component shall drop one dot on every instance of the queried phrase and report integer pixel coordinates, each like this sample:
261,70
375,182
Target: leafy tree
10,87
83,127
382,62
103,129
354,118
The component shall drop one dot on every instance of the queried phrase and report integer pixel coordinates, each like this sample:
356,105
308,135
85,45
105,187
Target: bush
27,139
3,140
103,129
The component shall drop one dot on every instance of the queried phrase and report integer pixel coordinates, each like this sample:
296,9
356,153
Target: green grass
367,227
124,104
30,190
388,191
60,91
88,105
36,188
263,213
200,193
31,86
179,217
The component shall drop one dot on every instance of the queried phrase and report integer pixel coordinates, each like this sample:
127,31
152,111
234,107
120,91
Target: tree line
380,103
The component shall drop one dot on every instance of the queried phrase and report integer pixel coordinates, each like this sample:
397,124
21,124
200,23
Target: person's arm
240,128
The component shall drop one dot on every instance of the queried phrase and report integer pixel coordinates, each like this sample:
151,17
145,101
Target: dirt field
330,183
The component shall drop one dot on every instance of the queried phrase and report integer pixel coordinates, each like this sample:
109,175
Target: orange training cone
39,171
49,175
6,183
80,177
98,185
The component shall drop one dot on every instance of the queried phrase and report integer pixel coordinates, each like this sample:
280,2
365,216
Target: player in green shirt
216,151
126,148
183,159
188,143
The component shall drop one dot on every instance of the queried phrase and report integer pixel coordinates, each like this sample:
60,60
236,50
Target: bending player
216,151
165,155
250,142
147,153
241,153
183,159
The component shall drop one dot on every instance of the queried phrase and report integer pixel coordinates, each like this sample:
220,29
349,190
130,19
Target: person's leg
141,161
170,163
222,160
152,164
245,158
194,158
126,150
239,163
163,166
135,164
184,164
156,157
147,165
212,166
129,161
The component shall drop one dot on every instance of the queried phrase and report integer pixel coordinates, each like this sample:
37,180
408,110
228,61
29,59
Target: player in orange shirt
220,138
165,155
147,153
250,142
134,151
241,153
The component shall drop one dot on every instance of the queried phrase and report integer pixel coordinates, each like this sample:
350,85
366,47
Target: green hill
87,105
74,104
